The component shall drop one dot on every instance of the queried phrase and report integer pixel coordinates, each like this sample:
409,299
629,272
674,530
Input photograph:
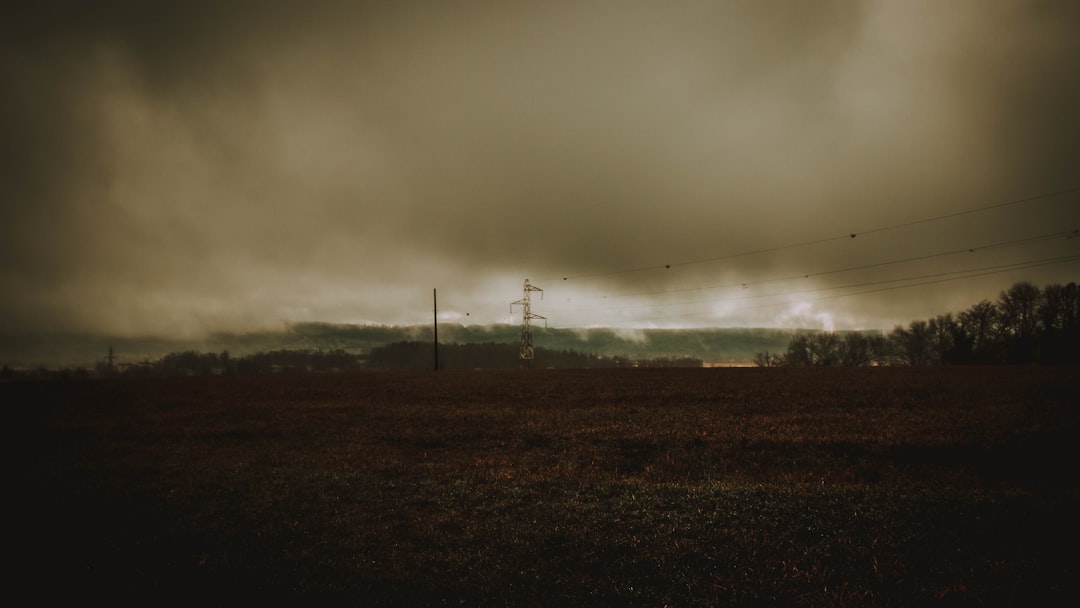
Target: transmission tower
526,353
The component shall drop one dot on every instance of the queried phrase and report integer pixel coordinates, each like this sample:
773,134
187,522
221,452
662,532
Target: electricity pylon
526,352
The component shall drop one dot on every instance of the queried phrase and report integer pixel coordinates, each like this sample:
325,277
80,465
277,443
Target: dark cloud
181,168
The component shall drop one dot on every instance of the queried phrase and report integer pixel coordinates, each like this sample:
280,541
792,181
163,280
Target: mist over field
710,345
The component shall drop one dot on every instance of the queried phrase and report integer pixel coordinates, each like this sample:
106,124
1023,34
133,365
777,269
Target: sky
180,168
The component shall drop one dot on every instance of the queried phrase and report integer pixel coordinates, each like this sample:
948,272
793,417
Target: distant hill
712,345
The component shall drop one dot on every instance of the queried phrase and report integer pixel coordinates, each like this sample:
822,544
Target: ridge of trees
197,363
1025,325
405,355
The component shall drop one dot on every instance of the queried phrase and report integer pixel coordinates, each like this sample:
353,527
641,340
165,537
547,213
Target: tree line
396,356
197,363
1025,325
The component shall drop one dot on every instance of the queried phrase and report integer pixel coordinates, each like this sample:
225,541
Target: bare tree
979,324
1059,323
858,349
1018,321
942,331
818,349
1059,308
767,359
911,345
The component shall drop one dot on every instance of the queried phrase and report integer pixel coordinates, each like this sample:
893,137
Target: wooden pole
435,302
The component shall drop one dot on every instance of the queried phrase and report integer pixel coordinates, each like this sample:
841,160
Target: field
681,487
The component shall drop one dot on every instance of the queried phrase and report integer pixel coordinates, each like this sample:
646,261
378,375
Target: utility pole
526,352
109,360
435,302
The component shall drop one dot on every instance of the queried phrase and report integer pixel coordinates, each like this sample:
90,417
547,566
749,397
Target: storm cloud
175,168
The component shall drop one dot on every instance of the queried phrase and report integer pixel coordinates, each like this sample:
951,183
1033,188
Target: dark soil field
678,487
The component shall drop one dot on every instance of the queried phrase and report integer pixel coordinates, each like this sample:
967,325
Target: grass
834,487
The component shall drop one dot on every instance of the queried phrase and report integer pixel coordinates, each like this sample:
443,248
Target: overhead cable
842,237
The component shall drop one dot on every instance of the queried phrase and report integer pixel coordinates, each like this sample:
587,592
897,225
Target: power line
807,275
848,236
938,276
921,280
1018,201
